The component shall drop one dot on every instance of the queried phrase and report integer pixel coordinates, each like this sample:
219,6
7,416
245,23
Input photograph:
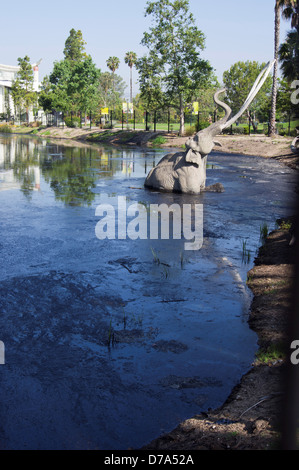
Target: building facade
7,76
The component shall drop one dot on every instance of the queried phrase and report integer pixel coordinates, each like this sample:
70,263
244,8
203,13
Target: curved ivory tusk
223,105
253,92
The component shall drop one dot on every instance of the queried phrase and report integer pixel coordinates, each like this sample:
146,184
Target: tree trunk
131,86
297,50
272,123
182,118
251,121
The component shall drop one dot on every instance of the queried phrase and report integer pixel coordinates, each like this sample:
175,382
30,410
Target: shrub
189,131
72,122
5,128
238,130
202,125
159,140
35,124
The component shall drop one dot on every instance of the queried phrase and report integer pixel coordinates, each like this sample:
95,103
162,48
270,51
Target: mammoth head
199,147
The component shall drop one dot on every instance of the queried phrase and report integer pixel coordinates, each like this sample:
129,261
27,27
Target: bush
238,130
189,131
202,125
35,124
159,140
72,122
5,128
293,133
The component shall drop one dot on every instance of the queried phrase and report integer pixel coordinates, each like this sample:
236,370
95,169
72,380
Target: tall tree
22,87
287,56
289,9
272,119
73,83
130,59
113,64
173,69
74,49
291,12
110,96
238,81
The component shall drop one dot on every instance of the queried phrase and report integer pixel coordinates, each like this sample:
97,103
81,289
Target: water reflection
72,172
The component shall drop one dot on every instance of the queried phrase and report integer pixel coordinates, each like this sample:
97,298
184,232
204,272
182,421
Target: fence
158,120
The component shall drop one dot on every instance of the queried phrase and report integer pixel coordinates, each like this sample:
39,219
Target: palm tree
113,64
291,12
287,55
272,123
288,8
130,59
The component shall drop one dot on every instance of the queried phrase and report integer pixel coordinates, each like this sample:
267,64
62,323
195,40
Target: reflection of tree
74,177
71,172
24,158
75,190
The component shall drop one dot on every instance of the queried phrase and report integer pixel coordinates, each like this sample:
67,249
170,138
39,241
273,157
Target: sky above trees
235,31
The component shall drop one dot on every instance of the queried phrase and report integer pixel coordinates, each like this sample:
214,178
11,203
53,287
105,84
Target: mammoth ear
193,157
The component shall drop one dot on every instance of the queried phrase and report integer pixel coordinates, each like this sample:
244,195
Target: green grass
263,232
285,225
245,252
273,353
158,141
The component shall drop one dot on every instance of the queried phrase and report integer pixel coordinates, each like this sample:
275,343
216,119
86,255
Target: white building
7,76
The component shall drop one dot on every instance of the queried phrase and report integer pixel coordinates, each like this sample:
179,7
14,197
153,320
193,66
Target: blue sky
235,30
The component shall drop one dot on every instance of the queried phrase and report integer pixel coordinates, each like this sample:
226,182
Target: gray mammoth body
173,173
185,172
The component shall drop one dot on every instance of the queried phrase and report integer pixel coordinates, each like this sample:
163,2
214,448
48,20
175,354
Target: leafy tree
45,97
173,69
73,85
130,59
205,98
74,49
22,87
151,83
284,102
58,90
7,109
83,84
110,96
239,80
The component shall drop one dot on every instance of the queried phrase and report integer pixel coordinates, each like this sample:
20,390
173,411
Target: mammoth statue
185,172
